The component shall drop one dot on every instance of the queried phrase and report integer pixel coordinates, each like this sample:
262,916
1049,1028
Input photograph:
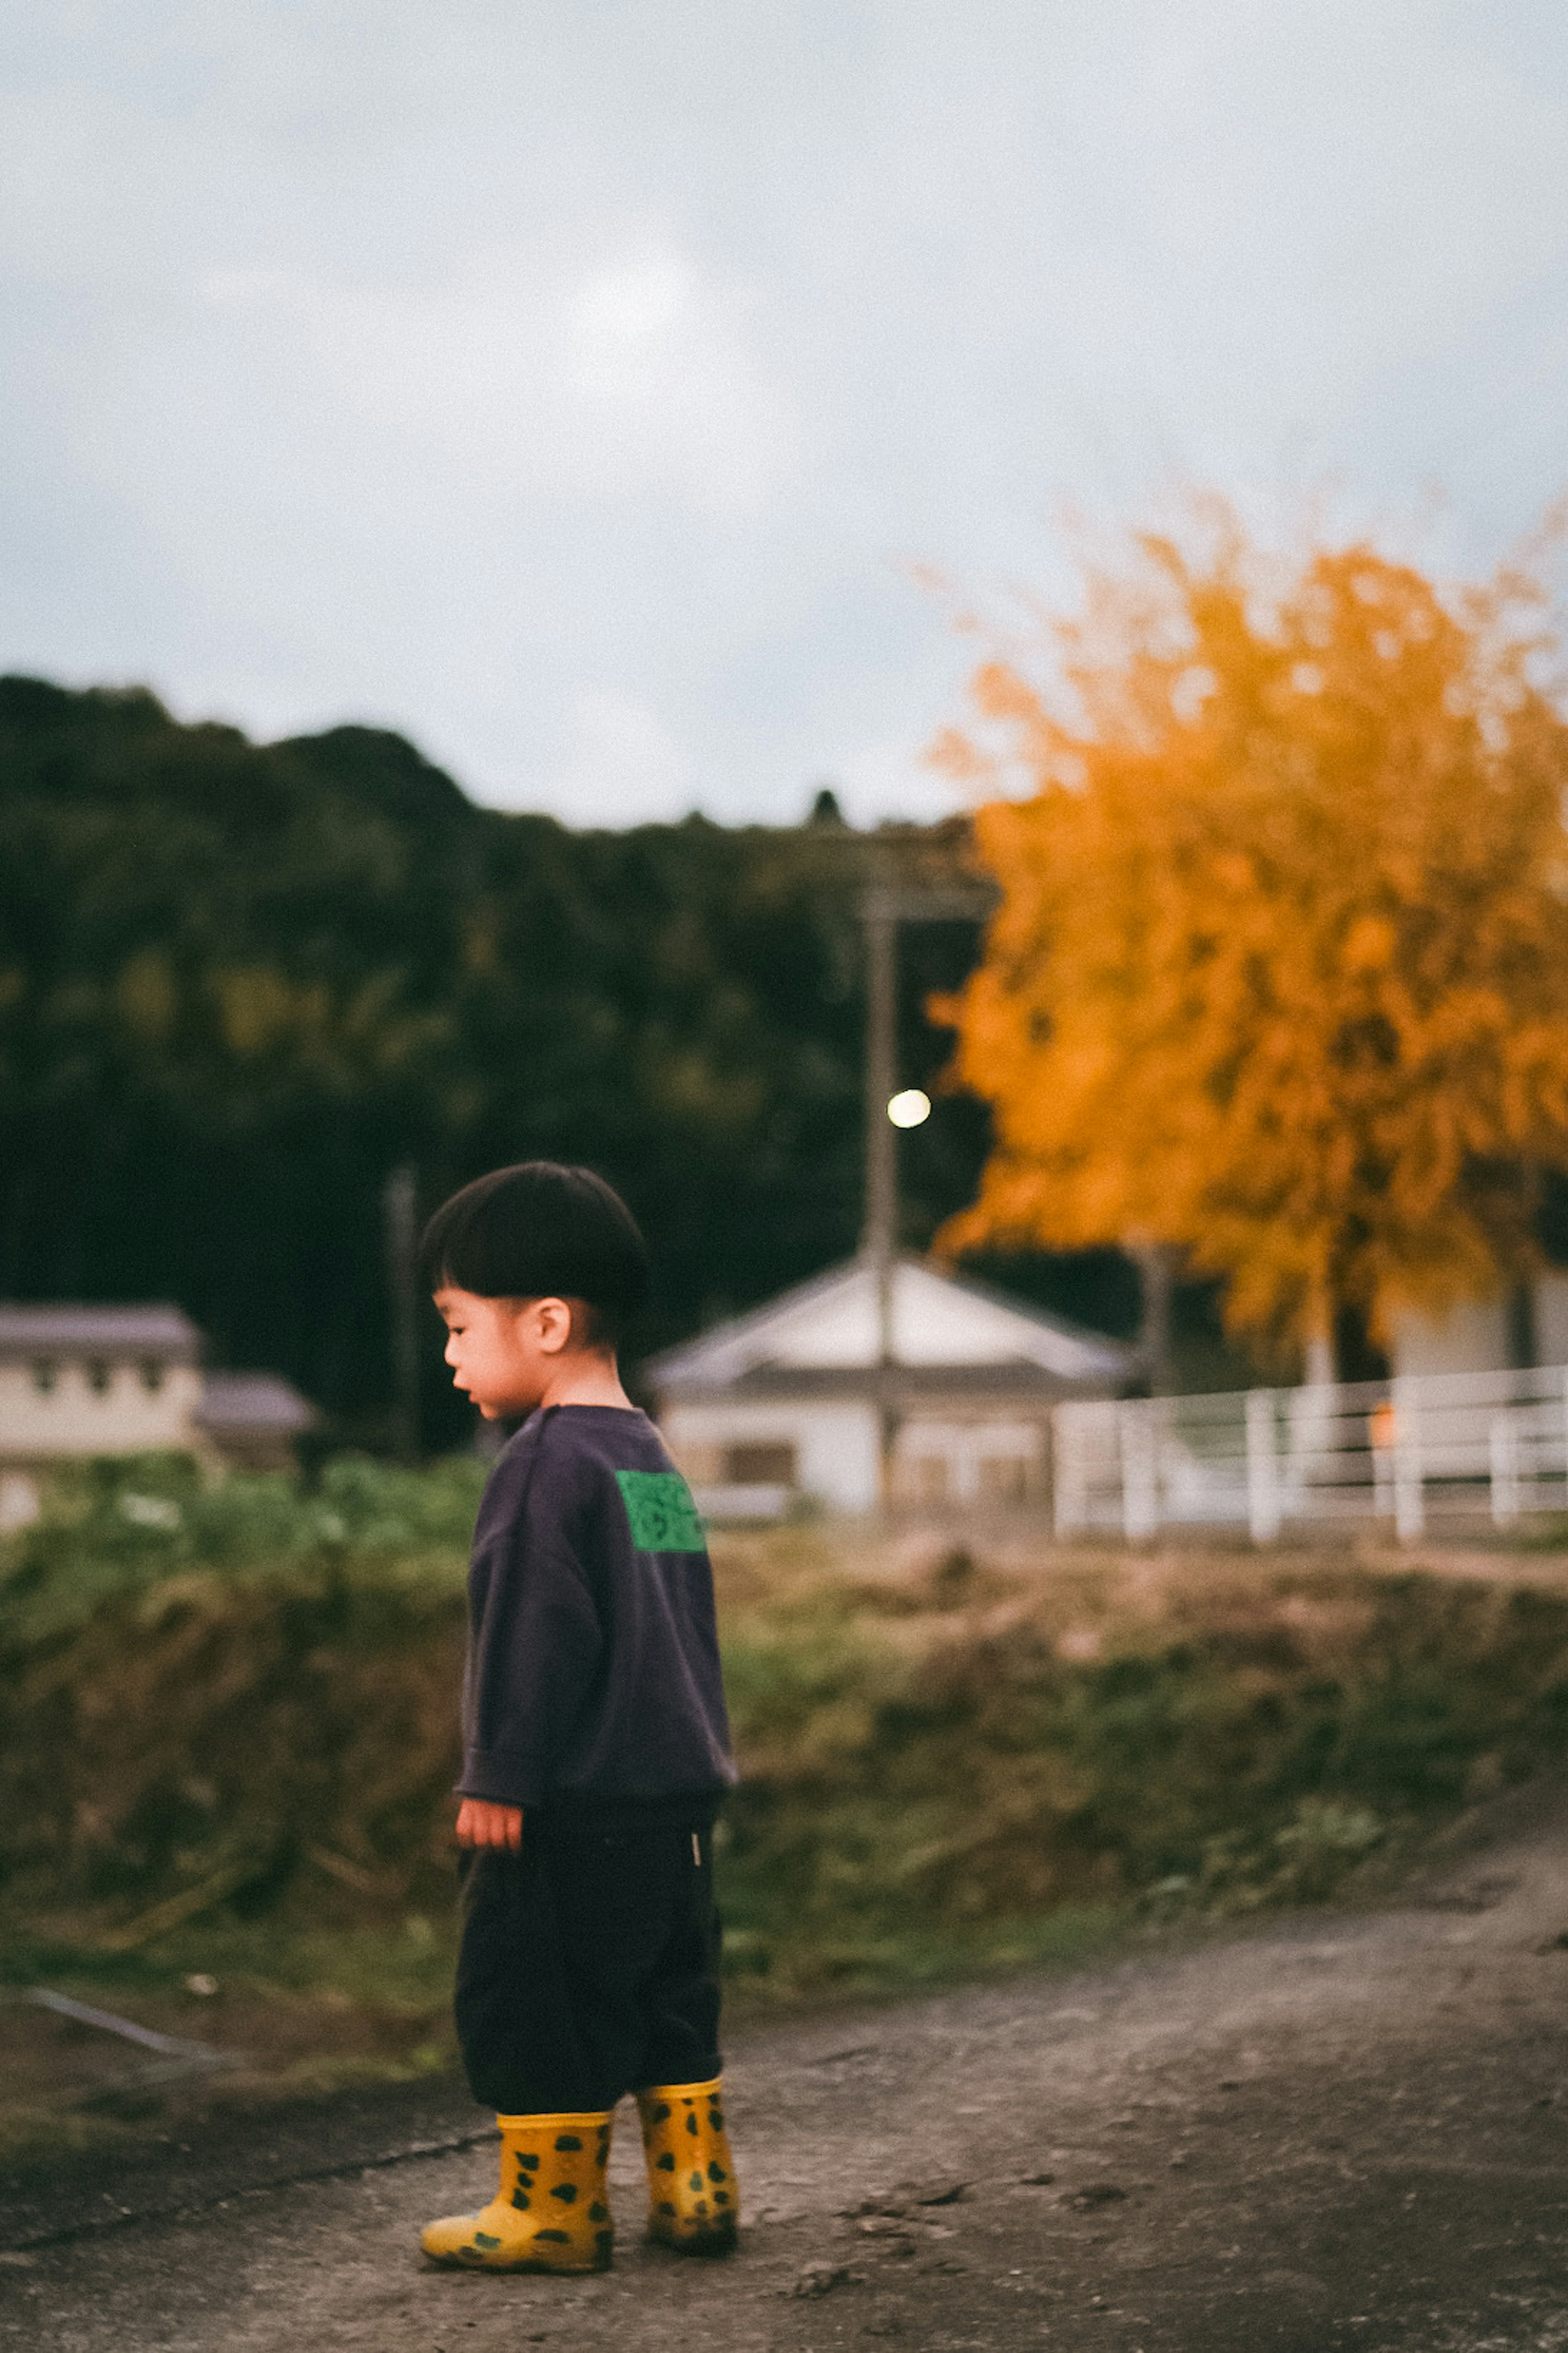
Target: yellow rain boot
694,2204
552,2212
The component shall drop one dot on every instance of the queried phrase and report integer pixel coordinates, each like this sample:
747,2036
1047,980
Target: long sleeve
536,1641
592,1665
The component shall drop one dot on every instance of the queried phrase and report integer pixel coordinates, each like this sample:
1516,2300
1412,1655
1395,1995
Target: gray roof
74,1328
253,1404
821,1336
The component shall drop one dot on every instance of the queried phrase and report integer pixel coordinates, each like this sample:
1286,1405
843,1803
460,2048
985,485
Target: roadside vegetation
229,1742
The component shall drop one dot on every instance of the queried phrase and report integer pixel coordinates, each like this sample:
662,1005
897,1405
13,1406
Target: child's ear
554,1324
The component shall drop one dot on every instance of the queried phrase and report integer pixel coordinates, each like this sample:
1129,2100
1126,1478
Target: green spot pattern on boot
687,2150
538,2154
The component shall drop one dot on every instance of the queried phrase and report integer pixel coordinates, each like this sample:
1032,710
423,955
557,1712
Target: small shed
785,1403
252,1419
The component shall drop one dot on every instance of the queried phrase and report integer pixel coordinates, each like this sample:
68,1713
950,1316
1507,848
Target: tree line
240,983
1275,995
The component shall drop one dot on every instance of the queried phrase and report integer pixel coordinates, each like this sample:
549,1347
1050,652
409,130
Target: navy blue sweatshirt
592,1665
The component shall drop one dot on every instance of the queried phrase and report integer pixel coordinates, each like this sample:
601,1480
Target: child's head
531,1266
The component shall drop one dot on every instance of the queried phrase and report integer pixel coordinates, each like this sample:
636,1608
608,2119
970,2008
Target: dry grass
957,1760
230,1744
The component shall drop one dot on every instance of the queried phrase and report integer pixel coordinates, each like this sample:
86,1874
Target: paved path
1346,2131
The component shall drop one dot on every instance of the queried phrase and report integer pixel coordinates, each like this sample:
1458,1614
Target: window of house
46,1376
928,1477
153,1370
1004,1478
764,1463
99,1375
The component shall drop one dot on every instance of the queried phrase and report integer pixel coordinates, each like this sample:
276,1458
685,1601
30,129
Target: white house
85,1380
787,1402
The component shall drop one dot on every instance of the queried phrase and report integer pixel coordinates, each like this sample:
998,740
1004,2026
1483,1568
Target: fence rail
1441,1446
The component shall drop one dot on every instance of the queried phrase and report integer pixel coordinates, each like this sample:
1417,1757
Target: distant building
1488,1335
252,1419
783,1403
86,1381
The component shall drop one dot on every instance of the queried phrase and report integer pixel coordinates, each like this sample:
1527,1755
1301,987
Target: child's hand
481,1824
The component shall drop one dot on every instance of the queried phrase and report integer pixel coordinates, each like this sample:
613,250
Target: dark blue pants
589,1962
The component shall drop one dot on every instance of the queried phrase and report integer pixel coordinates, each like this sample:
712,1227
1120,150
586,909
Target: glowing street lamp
909,1108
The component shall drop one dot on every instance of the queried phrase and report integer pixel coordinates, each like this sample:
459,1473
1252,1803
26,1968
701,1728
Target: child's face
503,1352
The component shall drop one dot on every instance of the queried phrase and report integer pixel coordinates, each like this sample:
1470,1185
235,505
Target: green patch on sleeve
663,1516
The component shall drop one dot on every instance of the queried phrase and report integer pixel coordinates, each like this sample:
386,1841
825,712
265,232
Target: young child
595,1746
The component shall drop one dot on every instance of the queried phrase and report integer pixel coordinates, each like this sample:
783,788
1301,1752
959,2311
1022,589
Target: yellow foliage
261,1008
147,994
1279,973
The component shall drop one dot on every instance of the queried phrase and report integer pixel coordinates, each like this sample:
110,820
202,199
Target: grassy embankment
229,1741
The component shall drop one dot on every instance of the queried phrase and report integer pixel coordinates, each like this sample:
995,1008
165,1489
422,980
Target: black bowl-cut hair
542,1232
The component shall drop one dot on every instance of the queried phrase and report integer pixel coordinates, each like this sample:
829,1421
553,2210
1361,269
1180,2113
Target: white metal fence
1443,1446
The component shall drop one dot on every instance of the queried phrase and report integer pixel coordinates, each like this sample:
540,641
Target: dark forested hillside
239,983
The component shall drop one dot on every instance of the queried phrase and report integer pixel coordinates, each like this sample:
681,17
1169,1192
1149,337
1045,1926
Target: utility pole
400,1212
883,907
879,1242
1156,1263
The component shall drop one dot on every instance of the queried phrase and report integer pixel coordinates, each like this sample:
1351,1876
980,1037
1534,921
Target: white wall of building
1472,1337
960,1461
834,1443
96,1405
1551,1318
937,1459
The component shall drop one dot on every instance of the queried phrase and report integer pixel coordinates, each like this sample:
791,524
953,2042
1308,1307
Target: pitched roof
153,1330
253,1404
941,1322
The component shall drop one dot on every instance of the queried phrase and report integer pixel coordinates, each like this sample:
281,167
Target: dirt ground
1344,2130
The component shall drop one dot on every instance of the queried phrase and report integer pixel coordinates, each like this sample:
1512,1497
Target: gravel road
1341,2130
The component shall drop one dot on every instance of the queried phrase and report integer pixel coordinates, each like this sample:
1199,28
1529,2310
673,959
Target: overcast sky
577,385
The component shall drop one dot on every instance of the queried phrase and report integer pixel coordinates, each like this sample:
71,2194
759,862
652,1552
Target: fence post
1066,1506
1502,1443
1409,1496
1140,1450
1262,1468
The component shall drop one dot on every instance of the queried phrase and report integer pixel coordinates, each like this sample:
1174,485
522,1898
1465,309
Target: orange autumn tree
1280,971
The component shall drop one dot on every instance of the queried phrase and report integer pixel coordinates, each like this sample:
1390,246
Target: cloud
568,386
620,380
624,378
